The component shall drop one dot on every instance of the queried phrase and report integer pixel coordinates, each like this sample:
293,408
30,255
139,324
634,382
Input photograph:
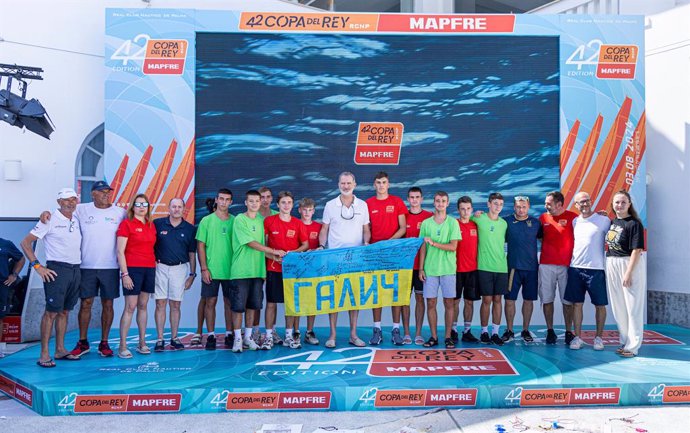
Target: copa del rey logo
165,56
378,143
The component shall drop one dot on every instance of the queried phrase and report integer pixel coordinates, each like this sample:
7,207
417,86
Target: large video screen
480,113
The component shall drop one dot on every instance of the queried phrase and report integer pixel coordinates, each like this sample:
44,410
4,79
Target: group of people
93,248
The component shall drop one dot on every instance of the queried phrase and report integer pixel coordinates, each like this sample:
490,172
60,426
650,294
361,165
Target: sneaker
256,335
296,343
569,336
508,336
81,348
498,341
454,336
228,340
311,338
598,343
211,342
237,345
277,341
551,337
296,334
104,349
526,336
377,338
176,344
467,337
485,339
159,347
267,344
576,343
289,341
396,337
249,344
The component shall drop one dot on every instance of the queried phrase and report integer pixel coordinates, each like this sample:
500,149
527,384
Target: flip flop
407,340
46,364
357,342
419,340
67,357
330,344
125,354
144,350
627,354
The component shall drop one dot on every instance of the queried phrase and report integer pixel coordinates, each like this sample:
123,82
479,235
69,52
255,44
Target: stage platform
349,378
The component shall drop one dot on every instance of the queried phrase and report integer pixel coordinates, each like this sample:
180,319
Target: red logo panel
439,362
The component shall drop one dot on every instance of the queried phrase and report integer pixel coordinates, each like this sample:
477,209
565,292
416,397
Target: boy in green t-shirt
492,274
437,260
248,270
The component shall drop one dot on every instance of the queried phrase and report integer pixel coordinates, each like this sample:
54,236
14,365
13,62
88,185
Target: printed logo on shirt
139,230
275,233
390,209
529,223
225,231
473,232
313,235
375,211
290,234
491,228
563,223
164,232
91,220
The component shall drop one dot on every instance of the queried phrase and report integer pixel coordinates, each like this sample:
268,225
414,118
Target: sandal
419,340
330,344
196,340
407,340
431,342
357,342
46,364
627,354
450,344
620,350
124,354
144,350
67,357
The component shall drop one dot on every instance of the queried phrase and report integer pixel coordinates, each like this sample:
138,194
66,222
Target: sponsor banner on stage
425,397
563,396
16,391
440,362
343,279
278,400
102,403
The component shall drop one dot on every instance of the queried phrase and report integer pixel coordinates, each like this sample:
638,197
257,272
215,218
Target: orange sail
601,168
567,148
119,176
581,164
155,188
134,183
189,208
180,182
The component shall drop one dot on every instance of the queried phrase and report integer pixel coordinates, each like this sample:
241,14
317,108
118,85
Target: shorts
211,290
247,294
527,280
4,302
582,280
105,282
492,283
170,281
417,284
144,281
466,286
445,282
551,276
62,293
274,287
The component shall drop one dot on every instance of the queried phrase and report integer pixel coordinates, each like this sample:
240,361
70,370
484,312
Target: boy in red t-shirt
466,280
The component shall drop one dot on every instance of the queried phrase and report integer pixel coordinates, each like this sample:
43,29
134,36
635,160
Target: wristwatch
192,274
35,264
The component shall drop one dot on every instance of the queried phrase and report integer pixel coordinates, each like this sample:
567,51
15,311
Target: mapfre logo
379,143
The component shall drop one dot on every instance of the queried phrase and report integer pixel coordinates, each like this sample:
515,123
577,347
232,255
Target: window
89,166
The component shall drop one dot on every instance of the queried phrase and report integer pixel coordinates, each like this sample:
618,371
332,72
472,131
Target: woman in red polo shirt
136,237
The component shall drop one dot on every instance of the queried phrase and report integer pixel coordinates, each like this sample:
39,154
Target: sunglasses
140,204
522,198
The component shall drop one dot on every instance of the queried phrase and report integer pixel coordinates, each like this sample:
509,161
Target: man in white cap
62,241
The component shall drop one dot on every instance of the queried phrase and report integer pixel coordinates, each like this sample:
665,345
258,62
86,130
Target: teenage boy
387,220
441,234
414,218
466,277
285,233
312,228
248,270
492,267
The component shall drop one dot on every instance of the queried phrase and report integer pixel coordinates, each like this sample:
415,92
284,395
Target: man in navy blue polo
523,267
9,255
175,269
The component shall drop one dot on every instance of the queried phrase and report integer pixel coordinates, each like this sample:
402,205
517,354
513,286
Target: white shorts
445,282
170,281
551,276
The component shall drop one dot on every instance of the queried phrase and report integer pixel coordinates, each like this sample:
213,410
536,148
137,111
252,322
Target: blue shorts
62,293
582,280
527,280
246,294
492,283
144,280
105,282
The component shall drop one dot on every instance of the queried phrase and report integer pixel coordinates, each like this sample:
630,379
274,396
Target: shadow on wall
668,276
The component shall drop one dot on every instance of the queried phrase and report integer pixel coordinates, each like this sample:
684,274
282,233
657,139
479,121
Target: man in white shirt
61,276
586,271
345,224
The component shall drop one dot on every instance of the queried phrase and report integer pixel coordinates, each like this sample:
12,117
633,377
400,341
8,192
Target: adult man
9,254
62,241
312,229
556,253
248,270
414,218
492,274
387,219
586,272
466,271
175,251
521,236
100,273
283,232
345,224
438,263
215,254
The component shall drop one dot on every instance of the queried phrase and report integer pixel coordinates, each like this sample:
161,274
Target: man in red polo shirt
387,219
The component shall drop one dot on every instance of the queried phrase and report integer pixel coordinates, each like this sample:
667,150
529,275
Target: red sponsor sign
440,362
278,400
381,155
16,391
379,143
165,56
154,403
305,400
12,329
610,338
447,23
569,396
617,61
7,386
676,394
252,400
451,397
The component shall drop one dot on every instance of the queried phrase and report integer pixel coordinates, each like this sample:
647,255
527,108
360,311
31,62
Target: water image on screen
480,114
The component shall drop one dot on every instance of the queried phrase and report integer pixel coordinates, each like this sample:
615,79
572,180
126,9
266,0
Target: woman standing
136,237
626,274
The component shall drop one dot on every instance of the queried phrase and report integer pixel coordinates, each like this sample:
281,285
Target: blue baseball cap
100,186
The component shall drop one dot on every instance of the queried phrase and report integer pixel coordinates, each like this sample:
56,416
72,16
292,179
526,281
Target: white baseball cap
66,193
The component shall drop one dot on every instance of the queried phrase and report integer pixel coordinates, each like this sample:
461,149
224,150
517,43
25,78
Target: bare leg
449,307
210,314
418,314
527,308
84,317
142,316
107,316
510,314
174,318
432,316
126,319
159,315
